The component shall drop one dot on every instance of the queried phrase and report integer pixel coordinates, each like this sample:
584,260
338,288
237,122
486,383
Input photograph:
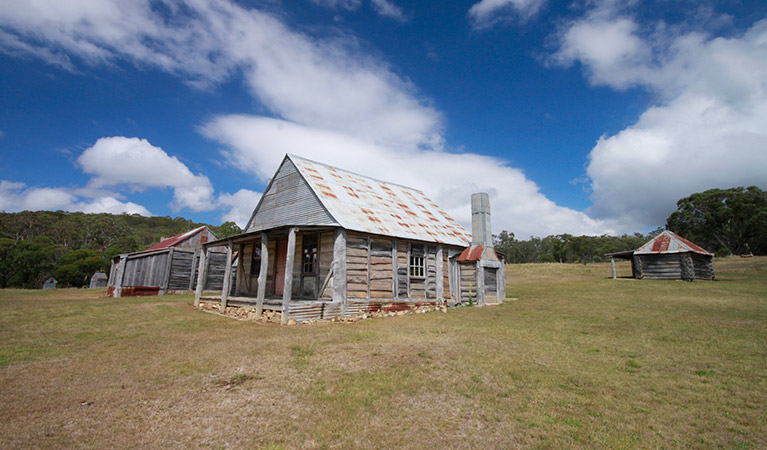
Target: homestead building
325,242
170,266
668,256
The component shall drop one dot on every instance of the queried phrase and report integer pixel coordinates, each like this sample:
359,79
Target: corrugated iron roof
477,252
361,203
669,242
170,242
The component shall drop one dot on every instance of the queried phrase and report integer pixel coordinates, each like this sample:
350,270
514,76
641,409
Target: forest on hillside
71,246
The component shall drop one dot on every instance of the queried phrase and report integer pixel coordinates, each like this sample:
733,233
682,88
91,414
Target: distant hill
72,245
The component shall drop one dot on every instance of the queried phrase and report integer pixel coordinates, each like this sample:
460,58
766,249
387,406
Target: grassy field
579,360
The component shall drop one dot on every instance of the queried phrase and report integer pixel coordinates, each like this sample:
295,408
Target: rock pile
271,316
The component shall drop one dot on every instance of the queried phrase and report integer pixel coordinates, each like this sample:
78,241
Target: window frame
314,243
417,264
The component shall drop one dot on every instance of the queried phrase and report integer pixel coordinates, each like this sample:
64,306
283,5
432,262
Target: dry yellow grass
578,361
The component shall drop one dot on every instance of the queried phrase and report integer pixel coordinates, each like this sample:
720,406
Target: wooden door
280,256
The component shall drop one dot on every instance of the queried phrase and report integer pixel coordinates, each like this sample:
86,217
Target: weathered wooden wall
214,278
660,266
431,272
357,265
289,200
326,263
468,282
146,270
402,269
704,267
381,268
181,268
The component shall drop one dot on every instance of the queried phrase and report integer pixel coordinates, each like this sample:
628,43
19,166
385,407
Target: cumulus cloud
706,130
487,13
258,144
240,204
118,160
18,197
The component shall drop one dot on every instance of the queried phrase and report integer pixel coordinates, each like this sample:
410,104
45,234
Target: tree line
72,246
723,221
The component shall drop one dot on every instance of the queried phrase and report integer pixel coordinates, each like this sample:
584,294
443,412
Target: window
417,267
309,265
255,262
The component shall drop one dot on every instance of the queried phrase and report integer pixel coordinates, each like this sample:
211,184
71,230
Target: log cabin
324,243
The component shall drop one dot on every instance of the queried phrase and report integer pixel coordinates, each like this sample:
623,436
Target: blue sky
583,117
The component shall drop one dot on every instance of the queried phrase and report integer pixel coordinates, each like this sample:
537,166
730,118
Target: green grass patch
578,361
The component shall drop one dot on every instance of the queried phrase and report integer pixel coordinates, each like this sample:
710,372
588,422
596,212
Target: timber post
287,291
191,276
120,275
166,281
480,275
227,277
339,269
501,280
262,273
612,265
201,276
440,276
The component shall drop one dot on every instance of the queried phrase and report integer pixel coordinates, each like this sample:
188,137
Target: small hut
668,256
170,266
50,283
98,280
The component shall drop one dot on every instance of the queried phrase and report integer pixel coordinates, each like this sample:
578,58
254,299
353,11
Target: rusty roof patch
363,204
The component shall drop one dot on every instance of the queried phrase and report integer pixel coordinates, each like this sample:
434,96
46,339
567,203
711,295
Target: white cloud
349,5
487,13
18,197
388,9
135,162
707,129
112,206
258,145
241,205
322,83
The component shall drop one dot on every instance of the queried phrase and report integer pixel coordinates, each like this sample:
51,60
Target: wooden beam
203,267
339,269
227,277
612,265
262,273
287,291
